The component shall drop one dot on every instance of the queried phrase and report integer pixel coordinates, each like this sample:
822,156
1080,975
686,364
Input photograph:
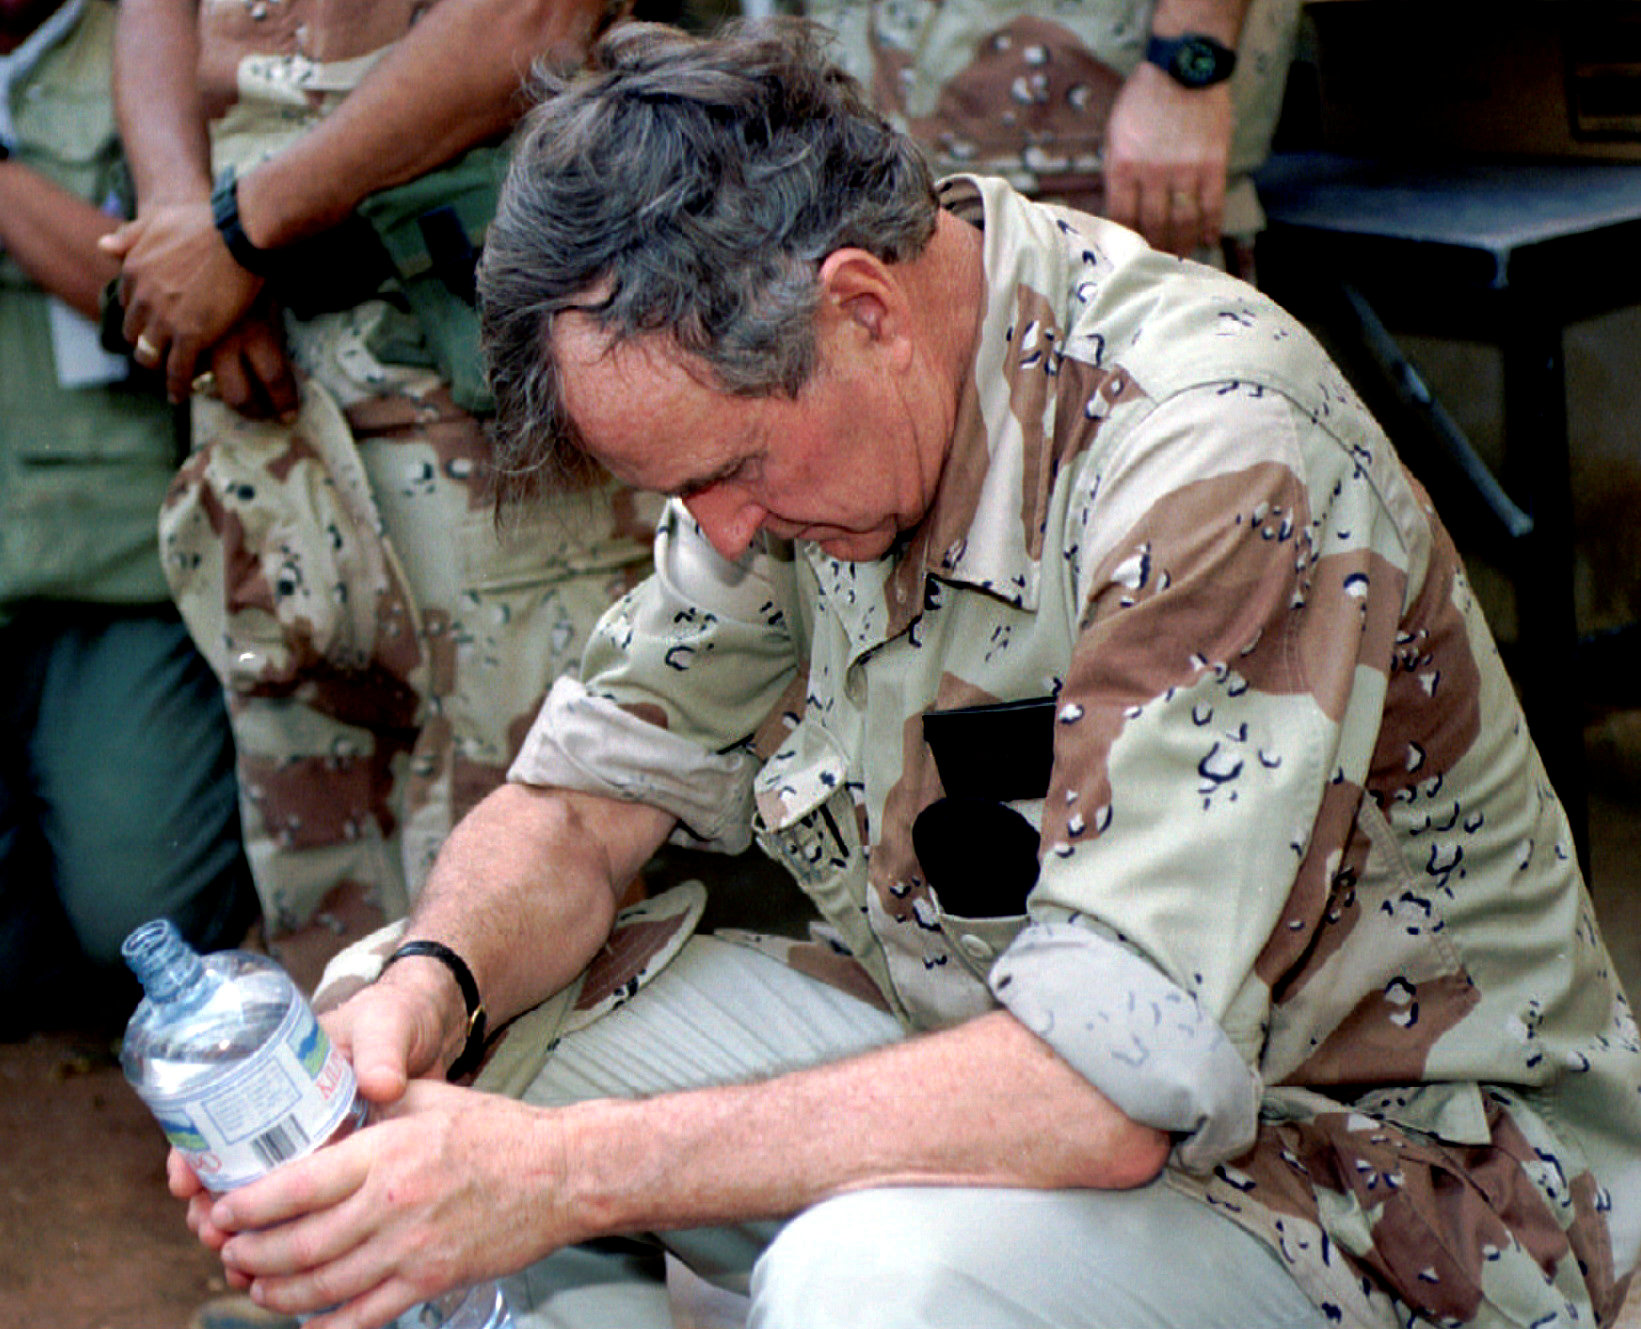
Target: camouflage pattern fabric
1305,896
1023,88
382,644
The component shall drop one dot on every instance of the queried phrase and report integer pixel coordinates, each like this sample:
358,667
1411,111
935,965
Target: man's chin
858,547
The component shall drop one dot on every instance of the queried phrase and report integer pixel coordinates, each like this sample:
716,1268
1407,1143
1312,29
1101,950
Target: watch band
473,1048
225,213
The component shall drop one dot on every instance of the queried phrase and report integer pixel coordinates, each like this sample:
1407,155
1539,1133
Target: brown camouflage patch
944,530
1431,713
1321,907
1439,1214
395,647
1592,1244
1031,82
456,439
1078,385
1031,367
615,969
311,801
837,970
1205,594
441,651
783,717
1387,1038
1339,606
293,451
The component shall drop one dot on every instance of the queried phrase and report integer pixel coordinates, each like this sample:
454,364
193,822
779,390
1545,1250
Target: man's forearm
1219,19
415,110
526,887
983,1104
53,234
156,96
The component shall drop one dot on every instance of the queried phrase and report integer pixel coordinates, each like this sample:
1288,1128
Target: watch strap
473,1048
225,213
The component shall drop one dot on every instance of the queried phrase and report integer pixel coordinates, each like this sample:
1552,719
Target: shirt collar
1042,267
984,527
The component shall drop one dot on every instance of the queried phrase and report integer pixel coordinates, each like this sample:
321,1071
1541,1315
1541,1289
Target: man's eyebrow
688,488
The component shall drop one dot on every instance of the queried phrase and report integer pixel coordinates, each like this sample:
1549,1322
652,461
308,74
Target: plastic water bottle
226,1052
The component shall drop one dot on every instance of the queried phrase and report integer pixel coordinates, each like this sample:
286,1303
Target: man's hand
181,288
393,1031
249,368
1166,152
446,1187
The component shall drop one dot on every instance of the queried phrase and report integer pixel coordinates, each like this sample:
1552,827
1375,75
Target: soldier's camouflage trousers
383,645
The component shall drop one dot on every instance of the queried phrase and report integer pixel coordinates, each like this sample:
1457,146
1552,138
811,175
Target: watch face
1196,62
1193,60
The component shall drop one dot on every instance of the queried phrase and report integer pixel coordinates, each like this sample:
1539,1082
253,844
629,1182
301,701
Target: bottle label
282,1101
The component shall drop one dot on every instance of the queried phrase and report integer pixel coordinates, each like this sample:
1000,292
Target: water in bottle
226,1052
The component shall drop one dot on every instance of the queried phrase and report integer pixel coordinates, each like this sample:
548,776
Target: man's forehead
640,403
587,352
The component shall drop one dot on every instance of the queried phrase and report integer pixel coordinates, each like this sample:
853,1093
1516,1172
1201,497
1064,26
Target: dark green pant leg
133,770
38,953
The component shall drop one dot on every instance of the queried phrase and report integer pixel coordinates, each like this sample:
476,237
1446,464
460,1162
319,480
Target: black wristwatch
1193,59
225,213
472,1052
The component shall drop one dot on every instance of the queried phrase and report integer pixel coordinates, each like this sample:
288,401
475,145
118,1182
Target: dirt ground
91,1239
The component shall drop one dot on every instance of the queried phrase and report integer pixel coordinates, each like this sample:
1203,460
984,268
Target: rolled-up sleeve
675,679
588,743
1142,1041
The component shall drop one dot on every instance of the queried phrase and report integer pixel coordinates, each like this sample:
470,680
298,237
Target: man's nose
727,516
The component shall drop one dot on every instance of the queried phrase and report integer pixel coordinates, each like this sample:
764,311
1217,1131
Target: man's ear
861,290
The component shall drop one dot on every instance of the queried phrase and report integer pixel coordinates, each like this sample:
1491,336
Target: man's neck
946,286
949,282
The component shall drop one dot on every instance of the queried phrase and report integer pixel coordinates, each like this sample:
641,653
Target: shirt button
978,948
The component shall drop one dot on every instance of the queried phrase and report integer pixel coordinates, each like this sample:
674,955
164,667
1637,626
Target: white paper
81,360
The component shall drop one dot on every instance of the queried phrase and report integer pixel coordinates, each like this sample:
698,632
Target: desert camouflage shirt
1306,898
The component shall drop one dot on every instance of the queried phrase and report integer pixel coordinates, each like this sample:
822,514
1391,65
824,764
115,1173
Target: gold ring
147,350
1183,199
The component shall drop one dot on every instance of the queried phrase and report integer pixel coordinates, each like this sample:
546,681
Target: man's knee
850,1261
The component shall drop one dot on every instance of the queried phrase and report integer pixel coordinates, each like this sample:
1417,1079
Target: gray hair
690,186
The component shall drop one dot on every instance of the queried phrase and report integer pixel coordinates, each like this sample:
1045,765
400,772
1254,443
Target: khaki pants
957,1258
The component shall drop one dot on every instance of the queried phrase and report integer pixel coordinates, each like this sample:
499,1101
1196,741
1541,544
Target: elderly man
1202,943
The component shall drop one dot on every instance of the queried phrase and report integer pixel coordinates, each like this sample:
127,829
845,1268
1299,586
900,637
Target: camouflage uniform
382,644
1306,898
1023,89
